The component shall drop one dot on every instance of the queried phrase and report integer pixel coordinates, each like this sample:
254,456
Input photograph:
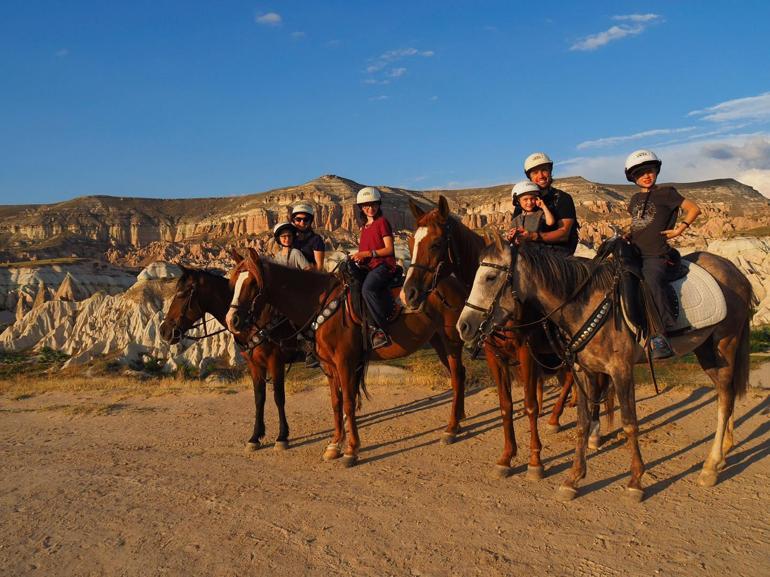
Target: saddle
353,276
695,297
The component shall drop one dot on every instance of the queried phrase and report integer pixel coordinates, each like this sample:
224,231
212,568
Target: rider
562,235
535,214
376,254
653,213
285,254
307,241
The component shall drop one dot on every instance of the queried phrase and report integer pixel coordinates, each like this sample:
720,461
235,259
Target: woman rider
653,216
285,254
307,241
375,253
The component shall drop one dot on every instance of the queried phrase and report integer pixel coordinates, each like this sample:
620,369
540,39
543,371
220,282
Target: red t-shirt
372,236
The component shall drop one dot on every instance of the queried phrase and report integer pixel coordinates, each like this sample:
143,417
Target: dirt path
161,486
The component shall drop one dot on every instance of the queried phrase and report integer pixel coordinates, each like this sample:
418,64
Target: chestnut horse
442,246
513,277
199,292
306,296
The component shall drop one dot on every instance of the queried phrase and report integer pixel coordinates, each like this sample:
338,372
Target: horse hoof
566,494
707,478
349,460
502,472
594,443
252,446
553,428
332,452
535,472
281,445
448,438
634,494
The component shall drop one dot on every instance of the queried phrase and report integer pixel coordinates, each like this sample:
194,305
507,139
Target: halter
180,334
485,328
446,238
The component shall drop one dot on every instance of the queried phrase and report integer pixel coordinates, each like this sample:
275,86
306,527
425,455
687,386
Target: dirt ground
162,486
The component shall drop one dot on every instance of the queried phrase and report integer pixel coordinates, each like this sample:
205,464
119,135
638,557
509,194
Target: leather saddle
353,277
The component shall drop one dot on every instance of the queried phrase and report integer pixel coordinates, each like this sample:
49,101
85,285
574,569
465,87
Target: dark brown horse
199,292
529,277
304,296
443,246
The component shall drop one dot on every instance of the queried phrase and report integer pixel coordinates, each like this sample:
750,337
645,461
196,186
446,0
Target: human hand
359,256
539,202
673,232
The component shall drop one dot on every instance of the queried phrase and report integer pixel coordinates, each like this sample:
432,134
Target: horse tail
361,383
741,371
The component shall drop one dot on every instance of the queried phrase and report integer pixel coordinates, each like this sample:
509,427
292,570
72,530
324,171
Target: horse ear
236,256
253,254
487,238
417,212
498,242
256,266
443,207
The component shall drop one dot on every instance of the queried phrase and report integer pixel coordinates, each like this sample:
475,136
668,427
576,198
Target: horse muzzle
170,333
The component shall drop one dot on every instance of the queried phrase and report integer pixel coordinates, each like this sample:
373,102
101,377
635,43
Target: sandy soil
162,486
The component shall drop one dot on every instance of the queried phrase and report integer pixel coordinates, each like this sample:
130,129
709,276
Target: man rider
563,234
307,241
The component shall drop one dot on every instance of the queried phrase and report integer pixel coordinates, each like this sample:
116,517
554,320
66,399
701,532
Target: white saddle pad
701,302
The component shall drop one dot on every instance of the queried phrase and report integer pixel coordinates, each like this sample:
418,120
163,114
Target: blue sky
185,99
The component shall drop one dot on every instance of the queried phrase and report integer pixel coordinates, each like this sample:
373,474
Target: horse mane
560,276
466,245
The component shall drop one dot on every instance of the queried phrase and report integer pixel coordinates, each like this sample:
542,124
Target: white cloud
379,98
383,66
612,140
269,19
744,157
298,35
62,52
634,24
755,108
636,17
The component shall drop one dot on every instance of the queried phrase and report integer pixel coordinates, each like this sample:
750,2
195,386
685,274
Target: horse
442,246
574,296
199,292
321,299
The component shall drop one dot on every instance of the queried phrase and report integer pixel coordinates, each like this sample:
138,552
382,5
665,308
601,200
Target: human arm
691,211
319,259
550,220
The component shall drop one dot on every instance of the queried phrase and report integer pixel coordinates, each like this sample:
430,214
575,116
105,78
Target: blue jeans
377,295
654,273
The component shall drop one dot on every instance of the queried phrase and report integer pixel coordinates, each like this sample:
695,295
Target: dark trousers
377,294
654,271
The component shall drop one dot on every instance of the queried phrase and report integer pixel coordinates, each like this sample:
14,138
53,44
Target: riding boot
379,338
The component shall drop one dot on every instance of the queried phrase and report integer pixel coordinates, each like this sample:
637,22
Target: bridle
446,238
486,327
179,334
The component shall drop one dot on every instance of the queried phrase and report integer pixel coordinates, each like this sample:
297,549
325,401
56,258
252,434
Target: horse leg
452,360
566,379
609,401
530,377
624,384
334,449
277,370
257,371
719,364
540,380
349,378
595,434
568,489
502,378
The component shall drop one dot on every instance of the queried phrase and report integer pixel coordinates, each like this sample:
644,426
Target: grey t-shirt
295,259
530,221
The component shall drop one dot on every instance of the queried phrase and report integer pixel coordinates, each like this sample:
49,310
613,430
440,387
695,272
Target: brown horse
307,296
529,277
199,292
443,246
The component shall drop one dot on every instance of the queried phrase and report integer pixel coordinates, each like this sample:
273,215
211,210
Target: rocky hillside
137,231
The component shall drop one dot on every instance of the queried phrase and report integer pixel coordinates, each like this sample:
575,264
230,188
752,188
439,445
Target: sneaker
311,361
660,348
379,339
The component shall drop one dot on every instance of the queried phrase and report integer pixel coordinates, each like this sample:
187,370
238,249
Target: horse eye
491,277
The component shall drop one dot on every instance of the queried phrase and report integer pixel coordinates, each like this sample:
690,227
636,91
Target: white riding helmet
368,194
641,158
537,159
278,228
303,207
523,188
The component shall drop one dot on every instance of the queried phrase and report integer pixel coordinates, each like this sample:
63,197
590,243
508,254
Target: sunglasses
302,219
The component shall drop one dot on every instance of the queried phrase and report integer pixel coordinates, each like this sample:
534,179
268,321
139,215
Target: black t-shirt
652,213
308,243
563,207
